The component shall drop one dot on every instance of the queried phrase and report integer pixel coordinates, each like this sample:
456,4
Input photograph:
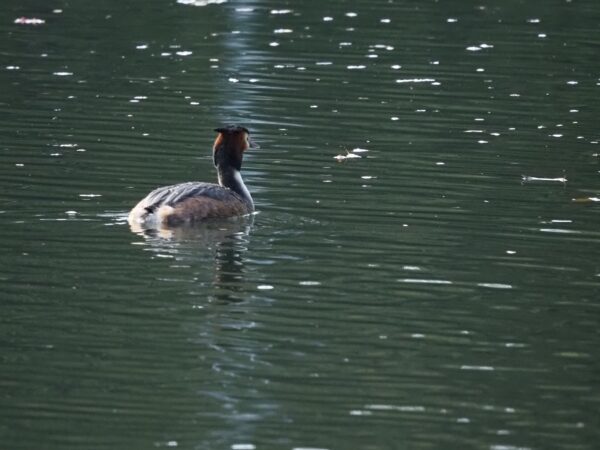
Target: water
424,295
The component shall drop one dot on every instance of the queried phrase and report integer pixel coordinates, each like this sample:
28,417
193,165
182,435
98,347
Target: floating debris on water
348,155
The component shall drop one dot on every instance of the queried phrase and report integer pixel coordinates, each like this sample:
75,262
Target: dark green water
423,296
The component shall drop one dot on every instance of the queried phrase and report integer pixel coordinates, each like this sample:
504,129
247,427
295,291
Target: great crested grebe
188,203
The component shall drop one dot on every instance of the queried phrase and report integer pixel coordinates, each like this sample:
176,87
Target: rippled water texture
423,271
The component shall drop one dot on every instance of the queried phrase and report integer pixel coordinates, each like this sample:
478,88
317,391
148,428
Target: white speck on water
572,82
360,412
141,46
402,408
309,283
327,19
495,285
542,35
451,20
244,9
62,74
482,141
411,268
345,44
70,213
194,103
511,252
417,336
385,20
556,135
573,110
463,420
415,80
314,106
473,48
201,2
356,67
19,164
527,179
394,118
243,447
483,368
351,14
273,44
90,195
423,281
233,80
281,11
29,21
558,230
12,67
165,54
440,163
172,444
309,448
283,30
264,287
323,63
396,66
533,20
184,53
359,150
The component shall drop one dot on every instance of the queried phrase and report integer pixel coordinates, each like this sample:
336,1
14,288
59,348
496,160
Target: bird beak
252,144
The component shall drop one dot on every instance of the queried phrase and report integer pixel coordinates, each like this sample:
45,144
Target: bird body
192,202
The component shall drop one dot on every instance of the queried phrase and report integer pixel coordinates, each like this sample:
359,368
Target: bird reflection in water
228,239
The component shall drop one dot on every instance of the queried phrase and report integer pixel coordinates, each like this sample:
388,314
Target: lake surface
440,289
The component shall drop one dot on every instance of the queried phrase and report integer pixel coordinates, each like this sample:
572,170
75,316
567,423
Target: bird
194,202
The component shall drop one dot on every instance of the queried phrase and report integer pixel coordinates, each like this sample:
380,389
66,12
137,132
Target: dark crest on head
230,145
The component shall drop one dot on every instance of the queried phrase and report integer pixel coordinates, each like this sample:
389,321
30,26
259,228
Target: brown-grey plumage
191,202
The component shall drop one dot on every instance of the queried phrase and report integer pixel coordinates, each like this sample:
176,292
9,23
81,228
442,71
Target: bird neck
231,178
